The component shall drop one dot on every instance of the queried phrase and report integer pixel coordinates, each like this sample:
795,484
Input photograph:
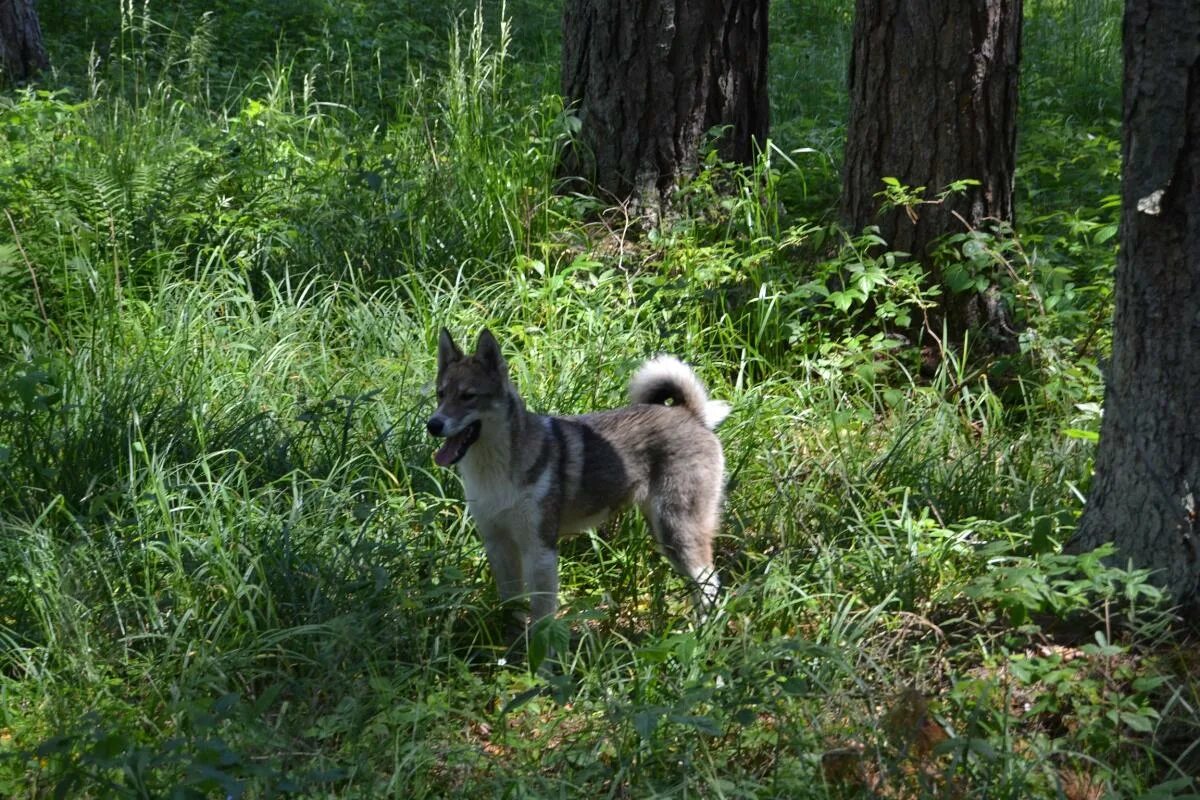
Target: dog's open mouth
456,446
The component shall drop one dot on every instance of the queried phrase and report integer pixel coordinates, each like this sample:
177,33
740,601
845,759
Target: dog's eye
441,394
468,396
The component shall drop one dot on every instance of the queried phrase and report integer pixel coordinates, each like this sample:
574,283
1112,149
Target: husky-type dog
530,479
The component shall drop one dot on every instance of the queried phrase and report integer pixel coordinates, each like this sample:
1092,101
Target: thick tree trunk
933,100
1146,493
650,78
22,54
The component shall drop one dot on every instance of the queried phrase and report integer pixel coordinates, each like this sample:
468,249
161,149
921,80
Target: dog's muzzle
456,445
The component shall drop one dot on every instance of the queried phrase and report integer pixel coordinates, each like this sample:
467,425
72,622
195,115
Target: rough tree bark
22,54
650,78
1145,496
933,100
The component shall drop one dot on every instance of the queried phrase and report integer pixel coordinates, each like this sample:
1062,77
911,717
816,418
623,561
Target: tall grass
1083,69
231,568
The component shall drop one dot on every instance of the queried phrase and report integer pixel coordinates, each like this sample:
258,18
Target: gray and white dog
530,479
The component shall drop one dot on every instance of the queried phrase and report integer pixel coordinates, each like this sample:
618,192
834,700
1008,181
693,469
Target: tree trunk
1145,496
22,54
933,100
650,78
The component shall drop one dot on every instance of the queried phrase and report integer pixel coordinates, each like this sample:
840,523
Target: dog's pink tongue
448,452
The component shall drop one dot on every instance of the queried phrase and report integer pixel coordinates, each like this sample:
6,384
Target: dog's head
471,392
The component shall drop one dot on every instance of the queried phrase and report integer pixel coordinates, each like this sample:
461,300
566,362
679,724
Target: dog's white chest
490,500
493,498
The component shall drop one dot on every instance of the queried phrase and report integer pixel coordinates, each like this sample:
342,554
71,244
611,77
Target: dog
530,479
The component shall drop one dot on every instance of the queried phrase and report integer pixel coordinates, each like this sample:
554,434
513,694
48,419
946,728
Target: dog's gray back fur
637,455
530,479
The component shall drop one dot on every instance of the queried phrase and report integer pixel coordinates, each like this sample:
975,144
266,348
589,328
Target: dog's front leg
539,564
504,557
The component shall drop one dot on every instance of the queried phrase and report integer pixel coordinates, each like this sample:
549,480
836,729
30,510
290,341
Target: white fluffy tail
666,378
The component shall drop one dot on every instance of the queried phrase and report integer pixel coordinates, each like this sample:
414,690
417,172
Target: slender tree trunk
1146,493
650,78
933,100
22,54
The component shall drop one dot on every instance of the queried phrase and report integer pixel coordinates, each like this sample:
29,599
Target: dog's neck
498,448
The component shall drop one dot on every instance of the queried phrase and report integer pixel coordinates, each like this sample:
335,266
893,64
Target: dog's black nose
434,426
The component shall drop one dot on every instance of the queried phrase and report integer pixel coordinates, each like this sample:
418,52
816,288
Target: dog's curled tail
667,379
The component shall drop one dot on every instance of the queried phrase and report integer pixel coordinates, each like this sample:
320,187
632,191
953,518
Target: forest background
232,232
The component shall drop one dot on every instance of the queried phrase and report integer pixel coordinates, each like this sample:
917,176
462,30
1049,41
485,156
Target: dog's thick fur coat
530,479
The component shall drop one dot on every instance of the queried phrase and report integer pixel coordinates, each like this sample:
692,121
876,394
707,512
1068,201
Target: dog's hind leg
685,534
708,583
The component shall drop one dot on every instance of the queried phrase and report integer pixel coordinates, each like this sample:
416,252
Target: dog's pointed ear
448,351
487,350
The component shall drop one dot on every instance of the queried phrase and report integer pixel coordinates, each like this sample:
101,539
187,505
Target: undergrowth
231,568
